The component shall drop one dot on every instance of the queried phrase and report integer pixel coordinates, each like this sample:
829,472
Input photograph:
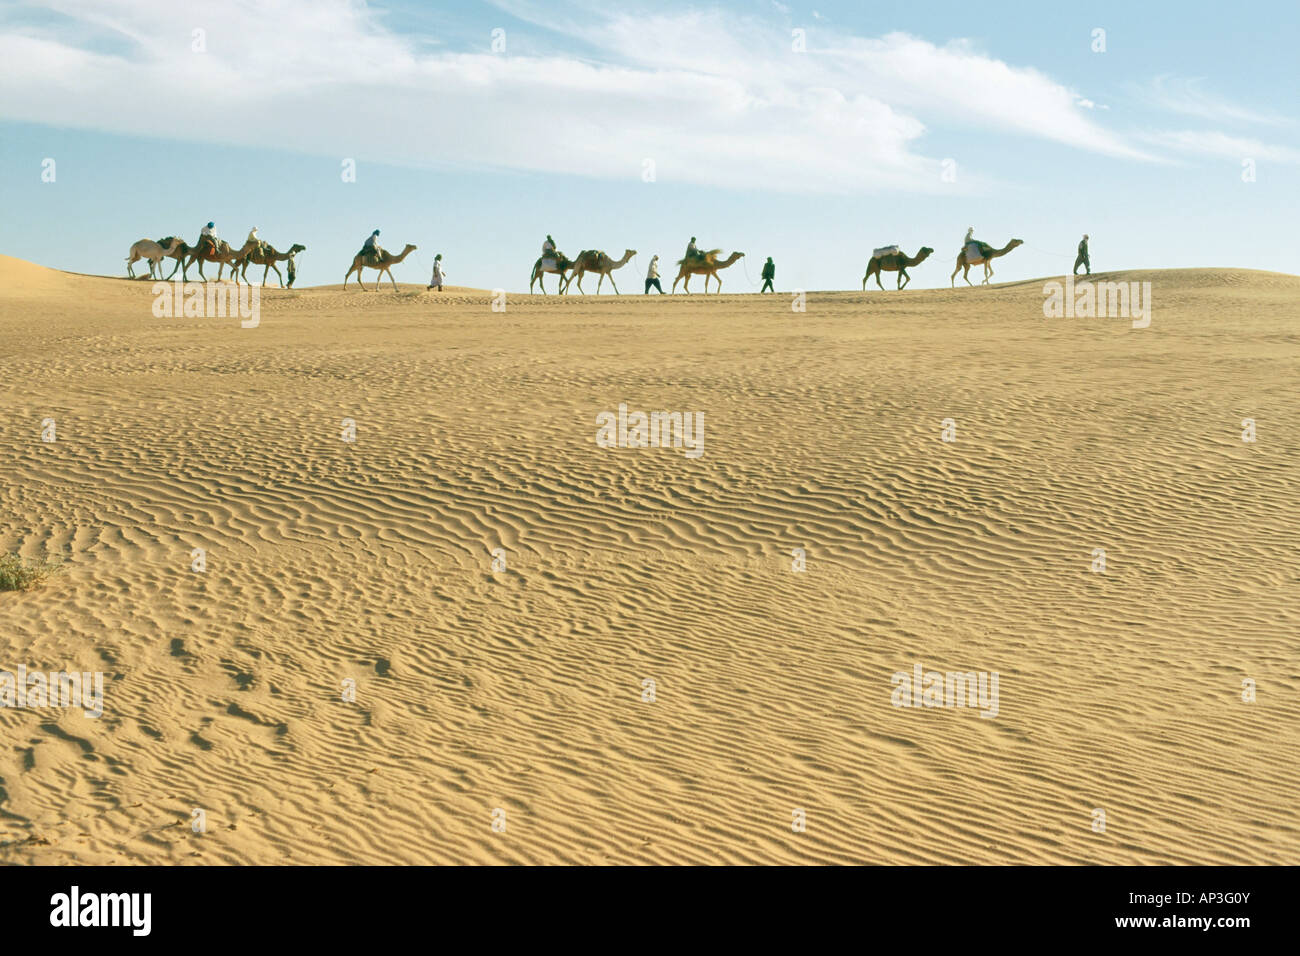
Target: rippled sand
522,690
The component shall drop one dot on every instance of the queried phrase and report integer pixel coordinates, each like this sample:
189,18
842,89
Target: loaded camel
898,262
591,260
183,250
707,264
987,255
559,264
220,251
267,256
382,262
153,251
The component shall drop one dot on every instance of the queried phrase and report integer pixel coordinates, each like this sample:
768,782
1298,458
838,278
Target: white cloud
717,100
1214,143
1184,95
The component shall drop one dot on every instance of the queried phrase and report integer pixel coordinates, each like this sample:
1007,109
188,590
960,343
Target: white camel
148,249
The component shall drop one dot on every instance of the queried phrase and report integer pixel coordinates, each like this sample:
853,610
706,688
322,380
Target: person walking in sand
1083,259
652,277
769,273
438,274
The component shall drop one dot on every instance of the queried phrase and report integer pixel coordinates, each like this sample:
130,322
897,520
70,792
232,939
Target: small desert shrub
19,575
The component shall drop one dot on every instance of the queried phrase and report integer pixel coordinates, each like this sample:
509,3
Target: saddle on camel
371,251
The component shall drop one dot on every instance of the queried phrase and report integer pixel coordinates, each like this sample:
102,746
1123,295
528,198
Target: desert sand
521,690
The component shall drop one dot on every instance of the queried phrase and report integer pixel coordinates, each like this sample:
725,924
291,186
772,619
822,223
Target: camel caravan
211,248
974,252
708,263
554,262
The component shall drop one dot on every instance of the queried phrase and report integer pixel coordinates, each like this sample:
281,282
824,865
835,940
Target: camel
153,251
562,265
267,256
708,264
590,260
383,263
218,252
182,252
895,263
989,254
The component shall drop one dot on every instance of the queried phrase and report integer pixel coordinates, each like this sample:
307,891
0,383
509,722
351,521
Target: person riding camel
692,252
209,235
548,248
371,248
258,245
984,247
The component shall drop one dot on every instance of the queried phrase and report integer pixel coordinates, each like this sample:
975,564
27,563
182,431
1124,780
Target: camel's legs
390,279
272,265
903,278
878,272
611,282
175,267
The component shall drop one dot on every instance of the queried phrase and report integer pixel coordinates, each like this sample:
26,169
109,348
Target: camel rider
371,247
691,251
209,233
984,247
257,243
548,248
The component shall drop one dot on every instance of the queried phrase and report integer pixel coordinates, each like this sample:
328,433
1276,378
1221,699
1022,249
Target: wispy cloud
1215,143
1184,95
718,99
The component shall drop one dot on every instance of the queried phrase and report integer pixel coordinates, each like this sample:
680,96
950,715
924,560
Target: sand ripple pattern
521,690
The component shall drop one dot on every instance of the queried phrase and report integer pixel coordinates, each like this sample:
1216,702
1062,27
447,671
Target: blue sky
811,157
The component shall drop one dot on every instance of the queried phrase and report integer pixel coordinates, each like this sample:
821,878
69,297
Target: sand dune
521,689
